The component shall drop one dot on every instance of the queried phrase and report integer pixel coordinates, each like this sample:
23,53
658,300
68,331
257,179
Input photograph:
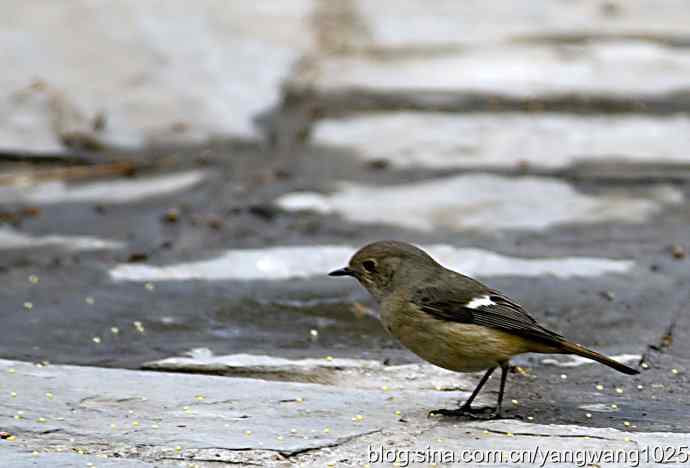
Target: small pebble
90,300
674,371
96,339
314,333
28,305
114,330
644,365
640,387
614,406
588,415
563,376
515,402
599,387
619,390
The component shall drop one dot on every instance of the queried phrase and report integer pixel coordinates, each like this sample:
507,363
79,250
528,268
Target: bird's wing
482,306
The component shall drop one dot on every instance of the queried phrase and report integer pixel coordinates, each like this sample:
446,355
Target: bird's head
383,266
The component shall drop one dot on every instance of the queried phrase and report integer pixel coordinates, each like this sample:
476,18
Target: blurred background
179,176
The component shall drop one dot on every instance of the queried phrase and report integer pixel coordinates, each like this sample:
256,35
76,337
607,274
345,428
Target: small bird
451,320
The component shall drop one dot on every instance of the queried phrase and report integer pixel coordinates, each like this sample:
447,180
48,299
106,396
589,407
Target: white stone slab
420,23
108,191
625,70
157,70
277,263
440,140
482,202
11,239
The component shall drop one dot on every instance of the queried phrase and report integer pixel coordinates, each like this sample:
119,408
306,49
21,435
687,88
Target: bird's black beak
342,272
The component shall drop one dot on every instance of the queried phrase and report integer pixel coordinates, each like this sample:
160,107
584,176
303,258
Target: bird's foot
483,413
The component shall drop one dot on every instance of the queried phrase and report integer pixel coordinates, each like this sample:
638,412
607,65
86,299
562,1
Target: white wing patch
481,301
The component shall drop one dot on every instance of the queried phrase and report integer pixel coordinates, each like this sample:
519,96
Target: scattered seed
11,370
329,358
90,300
155,426
135,423
50,396
248,433
385,388
33,279
619,390
588,415
150,286
293,431
644,365
509,434
327,430
515,402
358,418
530,418
139,326
280,437
614,406
599,387
41,419
200,397
626,423
397,412
114,330
626,439
96,339
314,333
640,387
674,371
299,400
13,394
28,305
563,376
178,449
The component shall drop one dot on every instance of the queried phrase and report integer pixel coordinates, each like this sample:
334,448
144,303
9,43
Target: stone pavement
175,184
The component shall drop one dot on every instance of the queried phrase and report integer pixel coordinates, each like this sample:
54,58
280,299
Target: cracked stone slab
440,140
131,85
416,23
67,412
276,263
472,202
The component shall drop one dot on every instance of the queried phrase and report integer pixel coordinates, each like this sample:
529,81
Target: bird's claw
484,413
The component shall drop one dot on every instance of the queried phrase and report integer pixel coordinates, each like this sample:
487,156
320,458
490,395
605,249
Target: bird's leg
466,408
504,375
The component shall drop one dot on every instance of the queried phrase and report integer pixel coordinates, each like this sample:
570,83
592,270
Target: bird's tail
574,348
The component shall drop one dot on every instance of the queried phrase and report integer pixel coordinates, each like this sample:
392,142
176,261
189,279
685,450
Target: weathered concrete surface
89,73
596,246
161,418
509,140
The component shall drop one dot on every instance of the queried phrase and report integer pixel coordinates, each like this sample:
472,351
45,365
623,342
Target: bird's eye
369,265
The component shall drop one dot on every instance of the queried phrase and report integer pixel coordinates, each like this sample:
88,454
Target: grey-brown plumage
451,320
